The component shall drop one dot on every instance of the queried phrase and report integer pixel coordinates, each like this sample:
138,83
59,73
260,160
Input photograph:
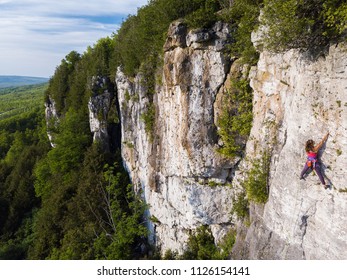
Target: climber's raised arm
320,144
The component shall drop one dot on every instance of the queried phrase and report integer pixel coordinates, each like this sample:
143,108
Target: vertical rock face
52,117
296,99
100,106
182,177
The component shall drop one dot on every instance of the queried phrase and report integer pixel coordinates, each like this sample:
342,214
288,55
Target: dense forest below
75,201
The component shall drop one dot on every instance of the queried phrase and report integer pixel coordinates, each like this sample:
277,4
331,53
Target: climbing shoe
326,187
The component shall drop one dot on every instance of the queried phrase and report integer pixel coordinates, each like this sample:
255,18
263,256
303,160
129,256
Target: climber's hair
309,145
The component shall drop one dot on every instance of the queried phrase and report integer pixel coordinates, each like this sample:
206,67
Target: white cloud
36,34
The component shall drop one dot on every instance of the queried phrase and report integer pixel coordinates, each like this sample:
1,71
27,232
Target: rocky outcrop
99,105
52,119
183,179
103,113
297,98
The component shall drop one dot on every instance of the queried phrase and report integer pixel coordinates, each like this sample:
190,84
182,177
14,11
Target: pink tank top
312,155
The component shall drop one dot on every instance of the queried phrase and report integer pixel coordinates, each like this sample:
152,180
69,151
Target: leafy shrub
241,206
149,120
201,245
335,17
235,121
256,184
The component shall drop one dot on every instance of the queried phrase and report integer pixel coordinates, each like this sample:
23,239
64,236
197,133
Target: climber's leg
319,173
303,172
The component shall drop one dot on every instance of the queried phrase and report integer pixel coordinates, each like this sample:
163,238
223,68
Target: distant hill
15,81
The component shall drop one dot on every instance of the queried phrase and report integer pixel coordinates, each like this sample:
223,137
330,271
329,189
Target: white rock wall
297,99
175,170
98,107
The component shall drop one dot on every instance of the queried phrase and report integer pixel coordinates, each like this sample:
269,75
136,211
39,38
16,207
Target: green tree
304,24
200,245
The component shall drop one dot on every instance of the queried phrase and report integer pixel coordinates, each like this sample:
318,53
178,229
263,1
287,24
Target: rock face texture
182,177
52,117
296,99
187,183
98,106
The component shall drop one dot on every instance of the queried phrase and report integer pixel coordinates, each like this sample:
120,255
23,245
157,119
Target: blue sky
35,35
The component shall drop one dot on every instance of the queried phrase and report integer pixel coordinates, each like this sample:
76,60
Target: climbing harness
311,162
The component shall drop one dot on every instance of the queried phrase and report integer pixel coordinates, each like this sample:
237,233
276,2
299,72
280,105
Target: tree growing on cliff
304,24
235,120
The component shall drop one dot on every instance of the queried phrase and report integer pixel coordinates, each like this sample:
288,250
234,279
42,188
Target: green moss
129,144
136,97
127,96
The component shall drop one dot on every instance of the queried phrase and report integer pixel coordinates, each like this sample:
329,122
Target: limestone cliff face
176,170
187,183
52,117
296,99
99,106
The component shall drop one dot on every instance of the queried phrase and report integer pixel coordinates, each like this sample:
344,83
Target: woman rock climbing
312,159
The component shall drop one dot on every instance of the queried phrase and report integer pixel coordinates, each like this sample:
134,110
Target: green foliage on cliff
256,183
304,24
241,206
243,17
235,120
149,120
201,246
